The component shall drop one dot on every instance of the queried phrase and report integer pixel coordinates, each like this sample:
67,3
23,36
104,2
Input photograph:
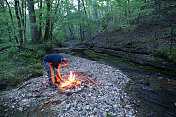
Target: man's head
64,62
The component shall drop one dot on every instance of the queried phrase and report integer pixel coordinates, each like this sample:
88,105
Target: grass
19,65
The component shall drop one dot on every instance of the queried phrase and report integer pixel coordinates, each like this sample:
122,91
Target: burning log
76,82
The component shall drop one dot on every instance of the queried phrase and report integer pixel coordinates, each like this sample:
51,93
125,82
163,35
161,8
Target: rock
68,93
6,110
144,83
112,110
101,115
83,95
67,107
12,106
60,90
34,105
20,109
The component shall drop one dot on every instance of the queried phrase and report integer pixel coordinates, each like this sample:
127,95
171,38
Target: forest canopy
59,20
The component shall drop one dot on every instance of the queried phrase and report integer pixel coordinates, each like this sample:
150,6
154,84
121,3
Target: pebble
112,110
20,109
85,101
34,105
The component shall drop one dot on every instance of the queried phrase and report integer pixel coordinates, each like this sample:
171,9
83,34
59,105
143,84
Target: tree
47,26
11,17
40,20
19,22
23,17
32,19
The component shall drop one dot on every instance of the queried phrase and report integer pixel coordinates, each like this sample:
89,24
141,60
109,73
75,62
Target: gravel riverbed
34,99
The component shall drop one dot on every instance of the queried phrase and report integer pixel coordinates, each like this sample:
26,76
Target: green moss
117,61
127,63
92,54
104,57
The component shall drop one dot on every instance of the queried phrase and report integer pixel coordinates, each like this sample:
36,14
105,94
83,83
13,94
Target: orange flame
70,81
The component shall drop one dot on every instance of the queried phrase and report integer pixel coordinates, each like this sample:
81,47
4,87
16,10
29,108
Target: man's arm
58,73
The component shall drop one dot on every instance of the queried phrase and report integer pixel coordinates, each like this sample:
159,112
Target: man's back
55,59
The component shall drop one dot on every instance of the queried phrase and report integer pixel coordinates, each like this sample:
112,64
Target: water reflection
155,94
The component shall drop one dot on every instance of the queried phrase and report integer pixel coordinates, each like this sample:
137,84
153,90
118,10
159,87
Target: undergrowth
18,65
164,52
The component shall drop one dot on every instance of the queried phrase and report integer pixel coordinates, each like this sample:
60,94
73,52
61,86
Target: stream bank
152,85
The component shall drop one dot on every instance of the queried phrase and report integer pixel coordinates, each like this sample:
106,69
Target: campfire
71,82
76,82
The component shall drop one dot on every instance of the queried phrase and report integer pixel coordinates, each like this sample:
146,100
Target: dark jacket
55,59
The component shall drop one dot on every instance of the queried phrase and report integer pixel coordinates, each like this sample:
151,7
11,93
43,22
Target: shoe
53,86
58,83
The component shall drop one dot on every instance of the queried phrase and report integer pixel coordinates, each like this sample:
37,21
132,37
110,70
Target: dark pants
51,73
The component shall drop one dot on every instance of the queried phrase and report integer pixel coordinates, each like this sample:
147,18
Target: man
52,63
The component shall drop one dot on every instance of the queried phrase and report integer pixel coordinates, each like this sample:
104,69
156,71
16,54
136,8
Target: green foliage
19,65
164,52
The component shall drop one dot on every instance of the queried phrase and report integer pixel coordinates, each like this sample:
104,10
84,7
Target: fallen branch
105,85
23,85
90,80
6,47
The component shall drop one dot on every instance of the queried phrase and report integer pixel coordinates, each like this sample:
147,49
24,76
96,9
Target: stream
154,93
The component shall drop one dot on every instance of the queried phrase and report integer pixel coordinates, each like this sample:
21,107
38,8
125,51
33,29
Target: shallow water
154,93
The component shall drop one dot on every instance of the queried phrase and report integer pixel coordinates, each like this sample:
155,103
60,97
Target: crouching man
52,64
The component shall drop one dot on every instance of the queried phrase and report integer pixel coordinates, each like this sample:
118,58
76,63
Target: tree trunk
40,24
51,30
23,4
95,11
47,27
90,34
19,23
80,27
52,20
32,19
14,33
71,28
129,22
25,40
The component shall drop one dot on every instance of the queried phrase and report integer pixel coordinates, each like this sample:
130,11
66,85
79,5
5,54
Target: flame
70,81
72,77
